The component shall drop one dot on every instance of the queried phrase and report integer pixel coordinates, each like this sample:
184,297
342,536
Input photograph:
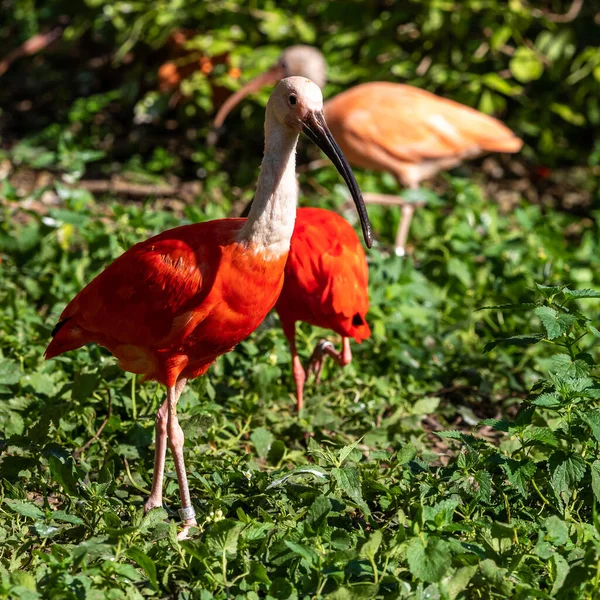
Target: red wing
146,295
329,263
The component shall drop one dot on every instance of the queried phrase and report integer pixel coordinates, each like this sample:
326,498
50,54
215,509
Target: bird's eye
293,99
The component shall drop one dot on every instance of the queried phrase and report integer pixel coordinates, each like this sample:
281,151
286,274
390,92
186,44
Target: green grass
432,467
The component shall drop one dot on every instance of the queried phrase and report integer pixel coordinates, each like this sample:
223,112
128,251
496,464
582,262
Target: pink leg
299,377
408,211
289,329
325,348
160,451
176,441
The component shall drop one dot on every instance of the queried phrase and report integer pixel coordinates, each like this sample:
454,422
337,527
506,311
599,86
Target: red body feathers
169,306
326,276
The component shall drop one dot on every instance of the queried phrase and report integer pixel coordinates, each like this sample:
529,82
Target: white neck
270,224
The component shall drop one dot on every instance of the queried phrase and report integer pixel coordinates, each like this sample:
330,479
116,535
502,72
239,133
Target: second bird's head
297,103
299,60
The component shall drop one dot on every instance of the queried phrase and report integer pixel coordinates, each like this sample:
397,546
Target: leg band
187,513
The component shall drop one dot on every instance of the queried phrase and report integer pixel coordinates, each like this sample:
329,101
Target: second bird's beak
273,75
315,128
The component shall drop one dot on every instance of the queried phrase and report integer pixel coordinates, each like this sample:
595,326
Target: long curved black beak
315,128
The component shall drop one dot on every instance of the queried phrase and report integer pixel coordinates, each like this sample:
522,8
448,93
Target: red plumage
326,283
170,305
326,276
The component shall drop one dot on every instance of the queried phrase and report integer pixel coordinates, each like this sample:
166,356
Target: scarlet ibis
325,284
401,129
169,306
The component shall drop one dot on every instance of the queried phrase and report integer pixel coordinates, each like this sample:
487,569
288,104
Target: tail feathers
360,328
66,336
59,326
509,144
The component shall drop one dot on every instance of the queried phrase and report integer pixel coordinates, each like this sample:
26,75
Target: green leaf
595,332
595,468
592,418
547,400
430,561
317,513
483,486
554,323
541,435
460,270
258,573
526,65
276,452
152,518
84,384
586,293
497,424
557,530
441,513
62,473
26,509
222,537
520,474
370,548
562,365
356,591
308,555
566,470
10,372
348,479
495,82
61,515
145,562
520,306
406,454
41,383
549,291
346,451
465,438
262,439
559,569
195,548
425,406
459,581
515,340
565,112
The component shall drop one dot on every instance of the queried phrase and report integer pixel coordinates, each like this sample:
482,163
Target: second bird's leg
408,210
299,376
160,451
326,348
297,368
176,441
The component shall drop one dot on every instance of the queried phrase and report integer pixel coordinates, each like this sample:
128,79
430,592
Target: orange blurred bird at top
184,62
169,306
326,285
392,127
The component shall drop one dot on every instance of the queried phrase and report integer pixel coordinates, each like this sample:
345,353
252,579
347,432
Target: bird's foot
153,502
184,534
188,516
317,359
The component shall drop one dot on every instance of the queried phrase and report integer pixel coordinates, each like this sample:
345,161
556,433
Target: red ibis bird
169,306
326,285
401,129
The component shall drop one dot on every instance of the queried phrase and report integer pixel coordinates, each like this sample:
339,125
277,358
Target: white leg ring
187,513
